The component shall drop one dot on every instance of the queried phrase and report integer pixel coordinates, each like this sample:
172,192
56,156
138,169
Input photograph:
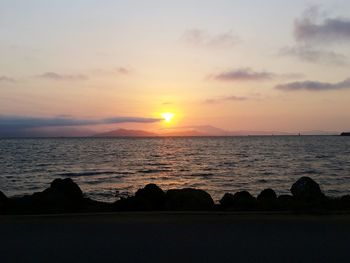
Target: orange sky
261,66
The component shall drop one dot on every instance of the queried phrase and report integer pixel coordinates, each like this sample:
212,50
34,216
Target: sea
106,168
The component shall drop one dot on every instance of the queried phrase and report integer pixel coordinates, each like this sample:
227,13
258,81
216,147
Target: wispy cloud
244,74
314,85
225,99
313,33
20,122
114,71
309,28
122,70
62,77
198,37
7,79
309,54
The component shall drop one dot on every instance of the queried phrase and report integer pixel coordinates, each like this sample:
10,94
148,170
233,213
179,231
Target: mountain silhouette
126,133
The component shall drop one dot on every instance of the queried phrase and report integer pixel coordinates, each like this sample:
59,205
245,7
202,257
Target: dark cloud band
314,85
244,74
19,122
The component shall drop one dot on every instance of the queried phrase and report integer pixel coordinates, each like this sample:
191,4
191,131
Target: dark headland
345,134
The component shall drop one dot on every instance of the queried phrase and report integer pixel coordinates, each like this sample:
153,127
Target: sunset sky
238,65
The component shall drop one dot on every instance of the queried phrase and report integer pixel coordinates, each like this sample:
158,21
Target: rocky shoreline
65,196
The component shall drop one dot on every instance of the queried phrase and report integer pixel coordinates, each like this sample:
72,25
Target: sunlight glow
168,116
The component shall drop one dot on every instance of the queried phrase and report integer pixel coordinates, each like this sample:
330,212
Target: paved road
175,237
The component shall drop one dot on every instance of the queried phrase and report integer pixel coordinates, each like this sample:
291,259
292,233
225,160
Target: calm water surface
225,164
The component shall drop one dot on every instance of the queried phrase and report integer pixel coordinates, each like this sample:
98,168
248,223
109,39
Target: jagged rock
306,189
242,200
188,199
63,189
62,196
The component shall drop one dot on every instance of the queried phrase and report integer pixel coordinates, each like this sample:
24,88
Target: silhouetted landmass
65,196
345,134
185,131
188,133
126,133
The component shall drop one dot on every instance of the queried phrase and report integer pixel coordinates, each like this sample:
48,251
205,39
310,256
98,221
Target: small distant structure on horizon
345,134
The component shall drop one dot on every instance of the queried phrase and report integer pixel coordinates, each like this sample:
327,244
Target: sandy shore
175,237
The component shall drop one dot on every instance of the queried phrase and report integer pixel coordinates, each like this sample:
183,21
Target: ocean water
103,166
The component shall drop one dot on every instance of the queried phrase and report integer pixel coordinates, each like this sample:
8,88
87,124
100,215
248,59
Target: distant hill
126,133
184,131
189,133
345,134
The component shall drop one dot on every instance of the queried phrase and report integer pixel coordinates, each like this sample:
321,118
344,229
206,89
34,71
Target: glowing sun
168,116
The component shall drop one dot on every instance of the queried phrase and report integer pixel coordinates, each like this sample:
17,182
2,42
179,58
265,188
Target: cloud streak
328,30
311,55
314,85
312,31
225,99
62,77
198,37
6,79
244,74
19,122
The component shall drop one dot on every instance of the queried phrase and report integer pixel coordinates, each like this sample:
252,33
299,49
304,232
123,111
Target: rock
267,200
306,189
267,194
345,201
3,198
63,196
188,199
3,202
153,196
227,200
149,198
285,202
242,200
62,189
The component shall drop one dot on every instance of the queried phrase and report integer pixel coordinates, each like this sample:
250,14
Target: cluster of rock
65,196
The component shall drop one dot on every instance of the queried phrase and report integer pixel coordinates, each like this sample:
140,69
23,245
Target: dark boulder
344,202
286,202
306,189
61,190
267,194
62,196
188,199
267,200
242,200
3,198
3,202
149,198
227,200
152,196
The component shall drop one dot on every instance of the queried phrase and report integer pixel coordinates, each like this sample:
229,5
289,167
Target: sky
238,65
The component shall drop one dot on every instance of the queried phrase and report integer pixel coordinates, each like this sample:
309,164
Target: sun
168,116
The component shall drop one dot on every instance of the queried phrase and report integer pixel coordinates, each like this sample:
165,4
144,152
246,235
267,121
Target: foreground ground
175,237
